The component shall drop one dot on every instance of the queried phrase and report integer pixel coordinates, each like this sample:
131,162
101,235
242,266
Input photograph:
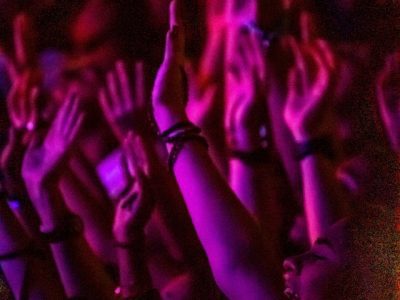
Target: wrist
122,237
166,117
247,140
301,135
66,227
321,145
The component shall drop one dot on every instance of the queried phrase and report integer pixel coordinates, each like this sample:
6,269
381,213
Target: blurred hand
43,158
136,204
124,103
246,113
308,111
388,95
24,73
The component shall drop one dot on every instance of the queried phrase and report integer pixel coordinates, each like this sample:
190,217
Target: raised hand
23,98
388,95
124,104
308,112
136,204
22,104
169,92
246,115
43,158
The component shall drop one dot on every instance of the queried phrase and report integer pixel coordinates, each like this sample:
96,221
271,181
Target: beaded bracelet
178,135
176,127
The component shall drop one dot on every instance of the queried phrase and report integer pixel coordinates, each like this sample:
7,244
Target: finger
115,98
299,60
175,14
295,88
130,154
71,115
244,53
11,69
126,172
322,76
326,53
259,55
12,104
33,109
307,27
77,125
126,202
231,112
147,166
175,46
23,40
23,99
62,114
124,84
106,104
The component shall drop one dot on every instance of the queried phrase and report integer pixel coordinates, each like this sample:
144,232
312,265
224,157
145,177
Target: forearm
177,228
323,201
257,186
134,275
229,235
80,271
249,182
96,218
27,275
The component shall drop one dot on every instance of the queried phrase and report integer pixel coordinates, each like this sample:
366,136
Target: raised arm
28,271
125,104
81,273
132,213
253,158
309,116
227,232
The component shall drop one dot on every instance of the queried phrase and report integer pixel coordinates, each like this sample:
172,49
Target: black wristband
251,157
71,227
322,145
29,249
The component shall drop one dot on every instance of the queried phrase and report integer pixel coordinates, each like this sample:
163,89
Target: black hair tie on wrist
176,127
251,157
178,135
322,145
28,250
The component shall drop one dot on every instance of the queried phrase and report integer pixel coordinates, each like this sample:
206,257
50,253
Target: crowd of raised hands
197,178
